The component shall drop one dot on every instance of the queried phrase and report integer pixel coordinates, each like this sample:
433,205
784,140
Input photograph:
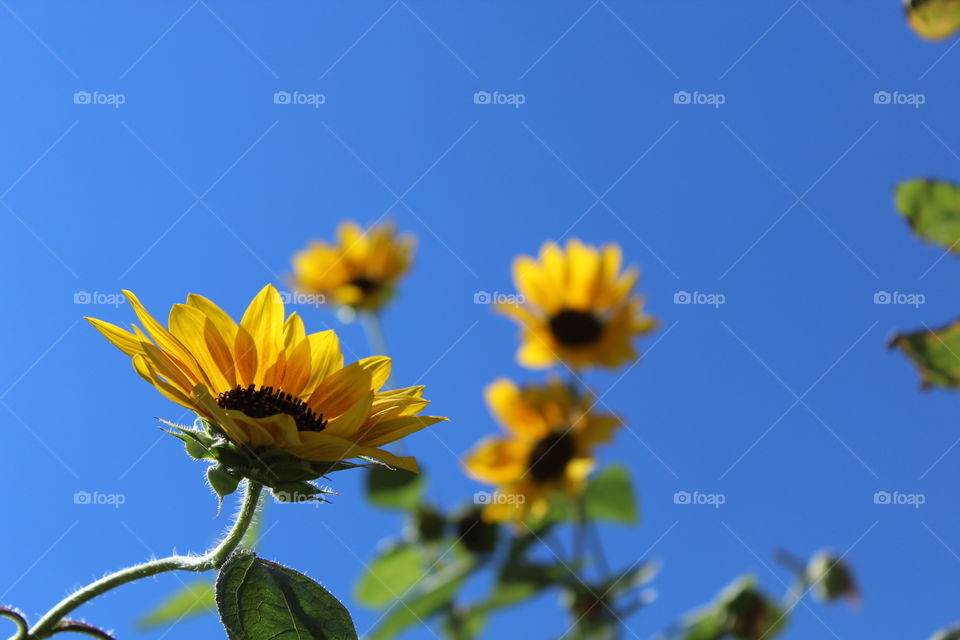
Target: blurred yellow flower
360,270
933,19
576,306
551,434
267,384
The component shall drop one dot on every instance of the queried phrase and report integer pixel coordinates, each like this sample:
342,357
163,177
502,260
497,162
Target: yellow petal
498,461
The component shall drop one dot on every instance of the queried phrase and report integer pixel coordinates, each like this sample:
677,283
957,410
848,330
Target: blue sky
784,398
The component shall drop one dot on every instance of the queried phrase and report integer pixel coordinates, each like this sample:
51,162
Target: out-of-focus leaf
435,593
932,208
935,353
261,600
192,599
394,488
390,576
635,576
952,633
933,19
609,496
740,611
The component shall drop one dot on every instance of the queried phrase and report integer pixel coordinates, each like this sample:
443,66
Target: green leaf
952,633
934,19
436,593
635,576
932,208
261,600
609,496
390,576
192,599
394,488
935,353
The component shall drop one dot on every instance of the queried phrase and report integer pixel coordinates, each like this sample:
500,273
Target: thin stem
10,614
214,559
375,334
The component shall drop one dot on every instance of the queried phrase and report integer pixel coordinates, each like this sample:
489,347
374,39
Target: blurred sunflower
552,431
360,270
576,306
267,385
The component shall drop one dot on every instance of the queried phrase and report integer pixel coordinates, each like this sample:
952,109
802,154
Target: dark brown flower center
367,286
575,328
550,456
267,401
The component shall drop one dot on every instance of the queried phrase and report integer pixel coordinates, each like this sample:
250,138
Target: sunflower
269,387
552,431
360,270
576,306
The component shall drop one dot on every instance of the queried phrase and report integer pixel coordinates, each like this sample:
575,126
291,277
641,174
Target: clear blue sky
98,198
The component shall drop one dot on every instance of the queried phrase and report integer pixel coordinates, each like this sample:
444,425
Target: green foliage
932,208
741,611
394,488
609,497
952,633
261,600
192,599
432,595
935,353
934,19
390,575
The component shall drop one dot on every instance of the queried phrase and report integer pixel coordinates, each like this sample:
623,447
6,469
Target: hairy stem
213,559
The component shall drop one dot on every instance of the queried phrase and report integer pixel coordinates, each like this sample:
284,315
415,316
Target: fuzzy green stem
213,559
17,619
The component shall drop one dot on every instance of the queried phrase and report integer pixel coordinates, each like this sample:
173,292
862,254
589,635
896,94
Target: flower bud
832,578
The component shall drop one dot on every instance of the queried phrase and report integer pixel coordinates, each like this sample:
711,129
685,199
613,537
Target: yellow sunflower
267,385
551,434
576,306
360,270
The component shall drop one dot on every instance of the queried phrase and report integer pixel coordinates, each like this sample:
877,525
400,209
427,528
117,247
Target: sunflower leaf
935,353
192,599
934,19
394,488
390,576
261,600
435,594
610,497
932,208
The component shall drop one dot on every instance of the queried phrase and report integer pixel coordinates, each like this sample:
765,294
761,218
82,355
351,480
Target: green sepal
222,481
